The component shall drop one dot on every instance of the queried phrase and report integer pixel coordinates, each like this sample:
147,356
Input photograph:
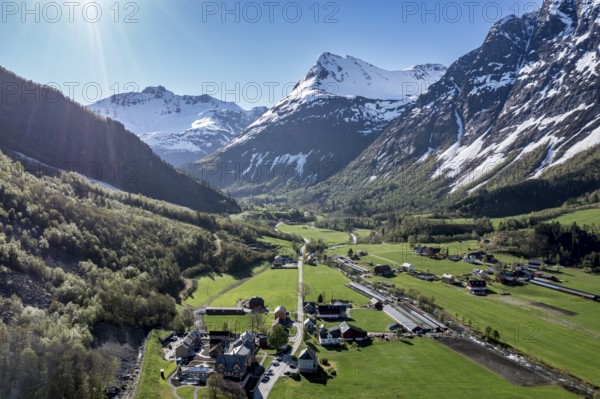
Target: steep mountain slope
180,129
333,113
523,103
40,123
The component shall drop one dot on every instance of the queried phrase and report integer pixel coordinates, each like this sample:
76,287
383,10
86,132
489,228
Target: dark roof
307,354
332,308
477,283
344,327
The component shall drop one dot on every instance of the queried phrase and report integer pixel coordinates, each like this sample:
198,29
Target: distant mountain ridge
180,129
58,132
338,109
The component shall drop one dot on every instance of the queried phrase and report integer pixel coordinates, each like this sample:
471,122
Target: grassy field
151,385
315,234
330,282
362,232
277,241
276,287
370,320
397,254
569,343
212,285
586,217
419,369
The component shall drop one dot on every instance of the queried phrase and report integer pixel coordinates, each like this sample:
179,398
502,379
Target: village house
187,348
310,308
383,270
332,312
308,362
309,326
329,337
477,287
280,313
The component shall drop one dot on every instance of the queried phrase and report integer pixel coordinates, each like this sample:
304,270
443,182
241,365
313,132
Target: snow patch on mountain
351,77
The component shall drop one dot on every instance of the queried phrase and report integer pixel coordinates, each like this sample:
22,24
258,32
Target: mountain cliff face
336,111
180,129
524,103
40,123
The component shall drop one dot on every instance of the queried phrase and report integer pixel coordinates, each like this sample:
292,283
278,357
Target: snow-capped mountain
179,129
523,103
333,113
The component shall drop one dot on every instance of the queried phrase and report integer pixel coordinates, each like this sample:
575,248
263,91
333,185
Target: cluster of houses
222,352
336,335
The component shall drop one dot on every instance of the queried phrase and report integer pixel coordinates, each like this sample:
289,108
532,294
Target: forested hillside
73,255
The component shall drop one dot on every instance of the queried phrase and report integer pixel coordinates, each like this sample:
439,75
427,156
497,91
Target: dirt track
506,368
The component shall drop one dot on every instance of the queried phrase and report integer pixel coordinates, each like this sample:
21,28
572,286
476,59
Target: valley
426,225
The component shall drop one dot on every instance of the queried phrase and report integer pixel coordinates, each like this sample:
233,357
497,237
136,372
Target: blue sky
250,52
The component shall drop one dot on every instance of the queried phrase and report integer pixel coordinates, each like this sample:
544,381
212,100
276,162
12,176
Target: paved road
263,389
354,239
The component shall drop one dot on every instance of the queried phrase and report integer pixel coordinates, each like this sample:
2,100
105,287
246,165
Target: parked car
265,379
276,364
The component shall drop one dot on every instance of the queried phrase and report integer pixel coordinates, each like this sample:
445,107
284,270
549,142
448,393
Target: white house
329,337
407,267
308,361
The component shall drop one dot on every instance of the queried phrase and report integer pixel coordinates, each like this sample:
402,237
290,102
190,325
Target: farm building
408,268
477,287
224,311
280,313
282,260
448,279
535,264
383,270
332,311
361,289
352,333
427,251
308,362
413,319
426,276
507,277
349,264
583,294
256,304
329,336
376,303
